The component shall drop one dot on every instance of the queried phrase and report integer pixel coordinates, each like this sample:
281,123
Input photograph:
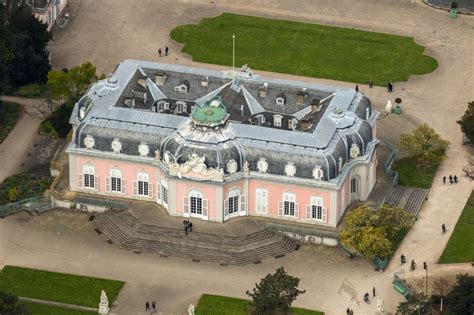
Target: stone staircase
409,198
127,232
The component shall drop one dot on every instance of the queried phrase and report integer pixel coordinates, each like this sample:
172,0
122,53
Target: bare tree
469,169
441,288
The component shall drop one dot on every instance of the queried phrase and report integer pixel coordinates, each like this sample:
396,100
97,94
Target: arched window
88,179
142,186
288,206
195,204
261,200
355,184
233,201
277,120
115,183
316,210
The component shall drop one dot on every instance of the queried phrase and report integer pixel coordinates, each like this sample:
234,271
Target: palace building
216,145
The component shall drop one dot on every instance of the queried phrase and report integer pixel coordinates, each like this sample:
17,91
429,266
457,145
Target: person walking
166,50
450,179
348,311
413,264
373,291
390,85
153,306
455,178
444,179
159,52
357,88
403,259
371,83
147,306
443,228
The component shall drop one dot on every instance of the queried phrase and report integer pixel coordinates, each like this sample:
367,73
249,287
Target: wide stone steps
221,251
134,223
409,198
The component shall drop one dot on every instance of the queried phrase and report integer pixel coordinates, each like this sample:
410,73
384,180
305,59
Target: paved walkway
109,31
15,147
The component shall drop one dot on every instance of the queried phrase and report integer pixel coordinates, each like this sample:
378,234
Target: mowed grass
9,115
40,309
57,287
410,175
460,246
304,49
224,305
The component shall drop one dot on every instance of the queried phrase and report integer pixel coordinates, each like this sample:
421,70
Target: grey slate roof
340,122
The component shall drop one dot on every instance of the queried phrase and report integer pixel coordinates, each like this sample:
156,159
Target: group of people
188,226
403,260
152,308
166,51
452,179
349,311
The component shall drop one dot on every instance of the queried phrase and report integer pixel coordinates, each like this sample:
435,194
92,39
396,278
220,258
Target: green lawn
9,115
304,49
27,186
460,247
58,287
410,175
223,305
40,309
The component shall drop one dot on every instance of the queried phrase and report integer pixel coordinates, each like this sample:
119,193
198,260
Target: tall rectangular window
233,204
261,200
289,204
142,188
164,194
89,181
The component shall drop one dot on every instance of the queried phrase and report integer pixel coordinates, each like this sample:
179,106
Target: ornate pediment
195,168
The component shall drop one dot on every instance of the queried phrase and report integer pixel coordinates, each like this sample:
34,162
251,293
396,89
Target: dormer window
181,107
183,87
280,100
260,119
162,106
277,120
292,123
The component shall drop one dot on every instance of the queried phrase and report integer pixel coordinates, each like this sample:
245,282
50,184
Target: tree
467,121
371,231
29,39
417,303
441,288
275,293
71,84
461,297
12,194
9,305
425,146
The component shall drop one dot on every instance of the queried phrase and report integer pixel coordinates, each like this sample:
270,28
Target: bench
402,288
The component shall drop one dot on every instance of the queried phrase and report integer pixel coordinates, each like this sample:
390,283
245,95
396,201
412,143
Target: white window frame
292,123
277,120
190,201
288,207
163,106
316,210
261,201
260,119
280,101
142,186
181,107
355,184
88,180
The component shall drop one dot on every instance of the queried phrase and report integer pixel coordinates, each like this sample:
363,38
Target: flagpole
233,53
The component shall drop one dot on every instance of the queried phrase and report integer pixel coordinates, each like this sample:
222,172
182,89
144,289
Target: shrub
31,90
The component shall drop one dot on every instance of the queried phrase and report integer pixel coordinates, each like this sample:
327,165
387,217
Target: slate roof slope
343,118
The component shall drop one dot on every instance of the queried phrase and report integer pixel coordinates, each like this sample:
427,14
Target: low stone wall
307,236
69,204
